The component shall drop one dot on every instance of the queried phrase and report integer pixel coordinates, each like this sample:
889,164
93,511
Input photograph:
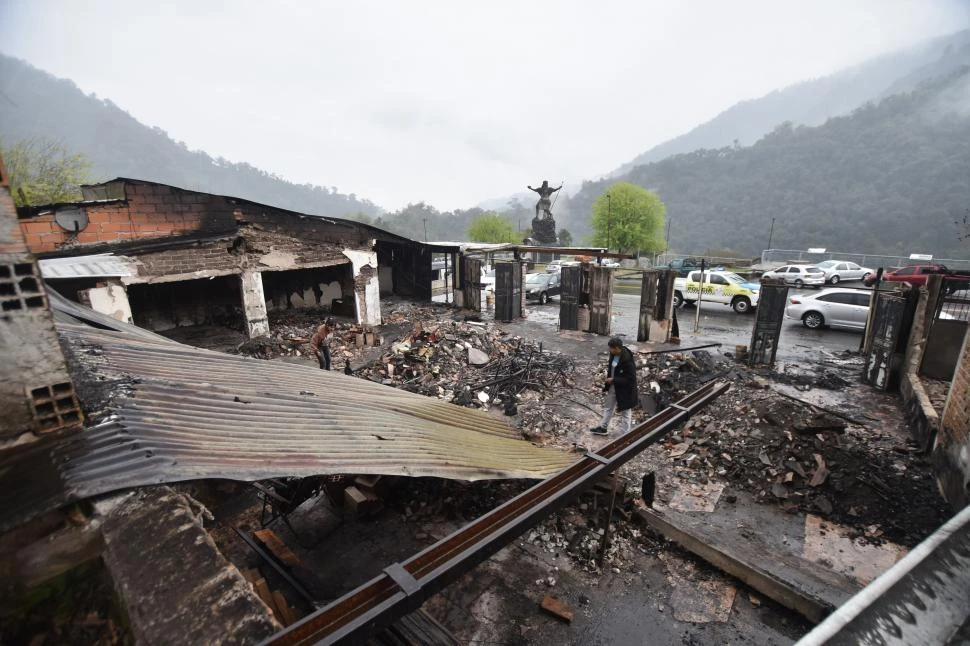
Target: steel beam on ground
377,603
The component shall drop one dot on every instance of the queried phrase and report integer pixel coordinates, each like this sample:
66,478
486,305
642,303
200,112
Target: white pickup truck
724,287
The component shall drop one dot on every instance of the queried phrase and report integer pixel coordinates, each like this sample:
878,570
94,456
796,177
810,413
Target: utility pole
771,233
609,219
668,236
700,297
425,220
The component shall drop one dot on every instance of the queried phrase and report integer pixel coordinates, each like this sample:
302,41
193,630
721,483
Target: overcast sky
448,102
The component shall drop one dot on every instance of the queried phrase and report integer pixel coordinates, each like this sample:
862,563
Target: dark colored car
917,275
684,266
539,287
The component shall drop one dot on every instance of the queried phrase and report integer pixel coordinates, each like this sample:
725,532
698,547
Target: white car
488,280
836,307
837,271
798,275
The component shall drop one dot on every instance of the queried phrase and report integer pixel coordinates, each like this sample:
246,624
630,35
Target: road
718,324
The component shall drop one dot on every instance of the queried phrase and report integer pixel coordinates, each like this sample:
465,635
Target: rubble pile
290,333
796,455
467,363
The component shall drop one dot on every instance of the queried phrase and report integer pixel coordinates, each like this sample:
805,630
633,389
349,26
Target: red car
917,274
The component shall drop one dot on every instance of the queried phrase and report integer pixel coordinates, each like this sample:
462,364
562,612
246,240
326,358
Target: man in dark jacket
620,388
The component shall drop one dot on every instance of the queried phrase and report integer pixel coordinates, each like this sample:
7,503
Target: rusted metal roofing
96,266
177,413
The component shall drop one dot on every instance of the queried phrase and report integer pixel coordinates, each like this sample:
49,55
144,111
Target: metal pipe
300,590
404,587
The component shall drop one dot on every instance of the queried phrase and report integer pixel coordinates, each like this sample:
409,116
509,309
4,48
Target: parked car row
831,272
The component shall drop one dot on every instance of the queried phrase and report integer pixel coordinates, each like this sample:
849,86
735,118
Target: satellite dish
71,219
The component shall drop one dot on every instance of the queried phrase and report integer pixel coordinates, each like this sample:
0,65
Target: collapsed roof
167,412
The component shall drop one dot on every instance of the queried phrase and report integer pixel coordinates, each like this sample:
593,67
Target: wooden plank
278,548
56,554
785,577
557,609
286,613
262,589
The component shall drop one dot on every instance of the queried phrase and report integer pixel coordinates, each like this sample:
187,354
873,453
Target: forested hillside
813,102
34,103
890,178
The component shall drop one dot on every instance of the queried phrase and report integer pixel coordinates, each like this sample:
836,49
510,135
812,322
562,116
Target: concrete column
254,304
367,288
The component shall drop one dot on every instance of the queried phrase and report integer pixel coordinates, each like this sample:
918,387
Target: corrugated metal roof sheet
96,266
181,413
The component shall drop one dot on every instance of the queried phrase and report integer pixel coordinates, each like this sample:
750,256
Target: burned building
181,257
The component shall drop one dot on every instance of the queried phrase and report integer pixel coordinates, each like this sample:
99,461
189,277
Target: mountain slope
812,102
36,104
889,178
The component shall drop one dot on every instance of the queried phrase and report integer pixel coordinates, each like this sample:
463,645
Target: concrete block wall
36,392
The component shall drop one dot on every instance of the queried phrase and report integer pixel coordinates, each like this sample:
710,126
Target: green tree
628,218
491,227
565,238
44,172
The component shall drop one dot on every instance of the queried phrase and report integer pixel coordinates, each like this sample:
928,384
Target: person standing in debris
620,388
320,343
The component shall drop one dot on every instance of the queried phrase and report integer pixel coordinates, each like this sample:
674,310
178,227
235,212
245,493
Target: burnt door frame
648,303
887,324
508,291
769,316
600,299
569,298
471,283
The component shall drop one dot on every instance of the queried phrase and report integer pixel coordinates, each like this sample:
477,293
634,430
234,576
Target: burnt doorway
508,291
330,288
569,298
471,283
185,303
767,323
600,299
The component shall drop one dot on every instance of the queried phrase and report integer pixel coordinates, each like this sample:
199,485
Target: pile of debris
469,364
795,454
290,335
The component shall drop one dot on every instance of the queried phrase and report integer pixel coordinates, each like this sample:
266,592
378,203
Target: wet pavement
717,324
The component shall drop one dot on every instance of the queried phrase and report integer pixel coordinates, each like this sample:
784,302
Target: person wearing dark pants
620,388
320,343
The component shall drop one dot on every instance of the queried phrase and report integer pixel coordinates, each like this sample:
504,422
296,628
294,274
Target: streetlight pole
425,220
771,233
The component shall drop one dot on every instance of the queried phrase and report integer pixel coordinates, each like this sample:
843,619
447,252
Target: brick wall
956,415
148,211
951,455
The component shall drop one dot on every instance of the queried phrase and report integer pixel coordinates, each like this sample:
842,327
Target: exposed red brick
34,226
110,227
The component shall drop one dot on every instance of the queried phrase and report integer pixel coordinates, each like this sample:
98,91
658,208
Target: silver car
838,270
798,275
835,307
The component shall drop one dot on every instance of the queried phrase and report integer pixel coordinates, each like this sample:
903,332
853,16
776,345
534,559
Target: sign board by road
921,256
816,250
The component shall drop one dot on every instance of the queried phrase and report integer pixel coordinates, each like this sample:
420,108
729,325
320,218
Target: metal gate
508,291
471,285
948,329
600,299
887,325
569,299
767,323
